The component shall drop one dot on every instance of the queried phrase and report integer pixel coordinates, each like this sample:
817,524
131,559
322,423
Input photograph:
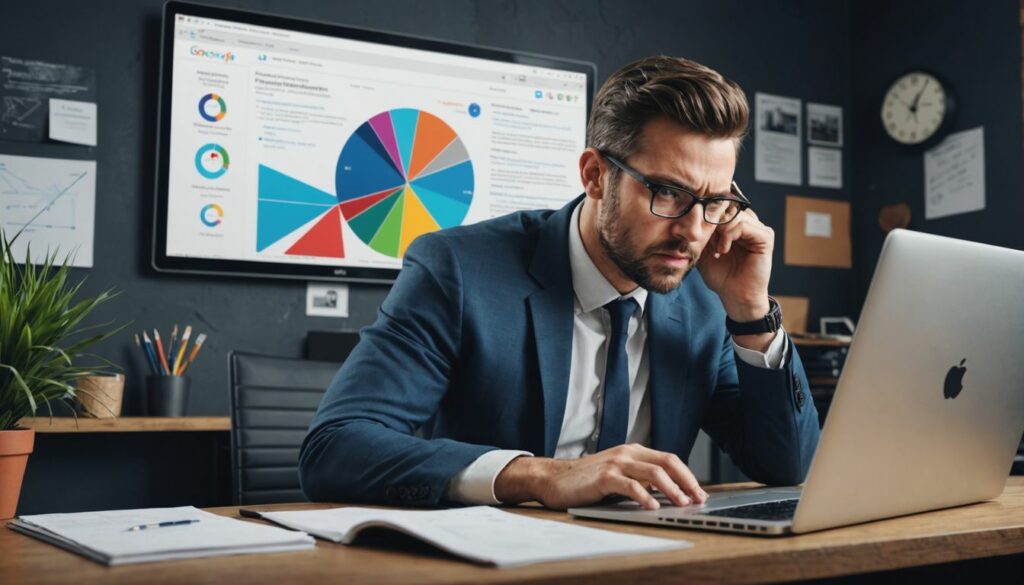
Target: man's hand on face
626,470
736,264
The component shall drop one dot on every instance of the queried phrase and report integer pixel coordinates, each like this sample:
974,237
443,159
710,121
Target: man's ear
593,173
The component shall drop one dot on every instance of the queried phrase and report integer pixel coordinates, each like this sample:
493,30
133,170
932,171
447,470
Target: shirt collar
591,287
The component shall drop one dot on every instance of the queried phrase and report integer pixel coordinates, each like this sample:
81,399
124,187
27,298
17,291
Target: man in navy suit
565,356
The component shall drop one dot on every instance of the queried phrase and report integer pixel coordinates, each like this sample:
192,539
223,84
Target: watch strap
770,323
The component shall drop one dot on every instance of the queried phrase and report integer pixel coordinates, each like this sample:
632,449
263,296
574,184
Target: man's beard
616,241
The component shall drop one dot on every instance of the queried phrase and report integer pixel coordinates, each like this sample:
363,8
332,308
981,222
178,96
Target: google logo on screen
204,109
211,215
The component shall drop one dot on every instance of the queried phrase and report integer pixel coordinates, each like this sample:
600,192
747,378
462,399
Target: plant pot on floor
15,446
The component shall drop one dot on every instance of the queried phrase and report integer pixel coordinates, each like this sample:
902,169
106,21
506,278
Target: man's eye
668,193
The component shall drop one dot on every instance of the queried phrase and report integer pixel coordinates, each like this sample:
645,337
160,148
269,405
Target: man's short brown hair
696,97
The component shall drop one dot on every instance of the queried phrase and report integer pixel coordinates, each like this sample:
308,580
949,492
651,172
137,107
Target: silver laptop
927,414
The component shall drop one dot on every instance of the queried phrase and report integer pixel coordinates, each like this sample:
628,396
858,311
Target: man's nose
690,226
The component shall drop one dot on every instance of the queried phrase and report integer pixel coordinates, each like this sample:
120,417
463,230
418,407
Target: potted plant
38,316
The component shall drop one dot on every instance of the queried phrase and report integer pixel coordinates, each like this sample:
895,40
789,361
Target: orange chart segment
416,220
432,136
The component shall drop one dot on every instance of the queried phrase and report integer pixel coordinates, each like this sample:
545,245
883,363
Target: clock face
914,108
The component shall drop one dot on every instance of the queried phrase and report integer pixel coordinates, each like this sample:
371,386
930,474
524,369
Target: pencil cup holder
166,395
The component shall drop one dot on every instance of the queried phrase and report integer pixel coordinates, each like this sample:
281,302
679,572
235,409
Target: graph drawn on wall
52,202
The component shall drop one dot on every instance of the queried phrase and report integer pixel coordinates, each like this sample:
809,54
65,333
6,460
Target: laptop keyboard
780,510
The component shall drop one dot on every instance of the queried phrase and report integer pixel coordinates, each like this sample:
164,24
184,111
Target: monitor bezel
162,262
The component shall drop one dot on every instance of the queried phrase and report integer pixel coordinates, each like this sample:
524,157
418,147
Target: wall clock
917,109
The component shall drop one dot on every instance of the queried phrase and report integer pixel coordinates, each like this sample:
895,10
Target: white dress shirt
582,420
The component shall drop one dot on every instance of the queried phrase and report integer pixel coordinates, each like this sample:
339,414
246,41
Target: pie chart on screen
403,173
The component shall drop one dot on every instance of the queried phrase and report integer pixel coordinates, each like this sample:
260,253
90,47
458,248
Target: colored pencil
181,350
193,353
152,354
160,352
174,337
149,357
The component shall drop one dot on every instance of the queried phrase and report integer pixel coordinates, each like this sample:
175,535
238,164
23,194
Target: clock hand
918,96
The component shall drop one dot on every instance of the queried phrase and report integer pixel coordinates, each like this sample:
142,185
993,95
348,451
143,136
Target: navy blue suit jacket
471,352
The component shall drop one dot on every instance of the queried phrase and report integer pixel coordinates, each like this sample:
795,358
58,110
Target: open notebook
481,534
105,537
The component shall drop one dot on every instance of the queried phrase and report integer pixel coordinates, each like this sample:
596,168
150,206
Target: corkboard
803,247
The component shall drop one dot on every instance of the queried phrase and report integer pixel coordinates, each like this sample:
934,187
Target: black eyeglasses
673,202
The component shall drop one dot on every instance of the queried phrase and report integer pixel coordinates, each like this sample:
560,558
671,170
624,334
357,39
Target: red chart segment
353,207
323,239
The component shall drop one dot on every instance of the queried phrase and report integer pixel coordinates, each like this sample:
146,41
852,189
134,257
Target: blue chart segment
388,207
286,204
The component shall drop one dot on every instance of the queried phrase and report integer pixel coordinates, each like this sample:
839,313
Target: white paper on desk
54,200
72,121
103,536
954,175
480,533
777,139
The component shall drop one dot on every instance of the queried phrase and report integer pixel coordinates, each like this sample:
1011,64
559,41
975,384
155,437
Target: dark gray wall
794,48
976,48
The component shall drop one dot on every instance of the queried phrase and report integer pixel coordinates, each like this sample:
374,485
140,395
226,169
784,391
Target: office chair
273,400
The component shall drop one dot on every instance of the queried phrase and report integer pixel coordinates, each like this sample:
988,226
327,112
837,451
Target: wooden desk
976,531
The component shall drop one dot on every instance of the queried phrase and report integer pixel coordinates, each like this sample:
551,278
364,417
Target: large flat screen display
292,148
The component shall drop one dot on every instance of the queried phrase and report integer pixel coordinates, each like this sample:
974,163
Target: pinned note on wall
817,232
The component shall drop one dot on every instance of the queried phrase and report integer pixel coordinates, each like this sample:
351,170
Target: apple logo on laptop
954,380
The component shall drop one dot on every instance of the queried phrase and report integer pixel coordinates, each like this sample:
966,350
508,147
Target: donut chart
212,160
204,107
403,173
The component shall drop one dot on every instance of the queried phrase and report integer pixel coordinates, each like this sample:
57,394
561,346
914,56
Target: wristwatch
770,323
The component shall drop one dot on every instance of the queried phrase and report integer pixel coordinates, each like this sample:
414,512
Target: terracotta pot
15,447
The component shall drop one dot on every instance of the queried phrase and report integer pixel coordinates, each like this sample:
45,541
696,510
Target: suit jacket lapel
551,313
668,337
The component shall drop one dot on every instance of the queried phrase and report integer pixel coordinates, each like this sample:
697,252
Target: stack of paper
105,537
482,534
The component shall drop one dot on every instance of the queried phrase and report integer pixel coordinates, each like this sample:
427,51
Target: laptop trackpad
739,498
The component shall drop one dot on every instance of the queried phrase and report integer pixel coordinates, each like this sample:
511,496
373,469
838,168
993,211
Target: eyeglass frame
651,186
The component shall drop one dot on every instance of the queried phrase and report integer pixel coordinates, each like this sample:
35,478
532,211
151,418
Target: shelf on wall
127,424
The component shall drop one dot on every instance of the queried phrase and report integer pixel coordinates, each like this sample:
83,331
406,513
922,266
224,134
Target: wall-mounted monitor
299,149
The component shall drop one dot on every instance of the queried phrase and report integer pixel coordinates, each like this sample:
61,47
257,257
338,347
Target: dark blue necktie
615,413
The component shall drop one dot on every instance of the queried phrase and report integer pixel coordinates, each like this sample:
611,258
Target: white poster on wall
954,175
777,139
825,167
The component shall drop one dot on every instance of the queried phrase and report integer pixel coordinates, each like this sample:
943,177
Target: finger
746,230
677,470
631,488
683,477
659,478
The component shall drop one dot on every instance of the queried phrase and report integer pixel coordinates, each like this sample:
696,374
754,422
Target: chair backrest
273,400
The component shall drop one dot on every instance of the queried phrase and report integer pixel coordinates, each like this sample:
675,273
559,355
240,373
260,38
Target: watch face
914,108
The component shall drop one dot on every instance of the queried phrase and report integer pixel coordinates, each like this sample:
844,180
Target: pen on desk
193,353
162,524
160,352
149,356
181,350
